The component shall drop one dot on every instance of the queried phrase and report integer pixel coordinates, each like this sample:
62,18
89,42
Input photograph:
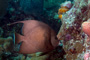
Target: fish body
37,37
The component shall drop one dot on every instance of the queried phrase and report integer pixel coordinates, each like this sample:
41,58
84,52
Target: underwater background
65,17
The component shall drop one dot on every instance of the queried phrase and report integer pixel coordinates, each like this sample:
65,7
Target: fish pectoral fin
17,47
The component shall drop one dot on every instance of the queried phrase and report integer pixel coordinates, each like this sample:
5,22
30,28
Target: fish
36,37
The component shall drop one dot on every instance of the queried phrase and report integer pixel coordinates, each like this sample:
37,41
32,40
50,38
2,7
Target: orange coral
62,10
60,16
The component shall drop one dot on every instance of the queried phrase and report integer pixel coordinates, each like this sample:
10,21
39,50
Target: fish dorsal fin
18,28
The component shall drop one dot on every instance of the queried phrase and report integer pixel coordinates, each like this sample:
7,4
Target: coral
60,16
64,8
67,4
3,40
86,56
86,29
5,44
34,56
40,57
70,33
1,49
89,4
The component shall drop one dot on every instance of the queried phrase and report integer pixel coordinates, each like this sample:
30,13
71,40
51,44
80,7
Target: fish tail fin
18,38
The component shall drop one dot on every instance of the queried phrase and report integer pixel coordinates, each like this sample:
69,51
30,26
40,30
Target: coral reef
5,43
70,33
5,47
